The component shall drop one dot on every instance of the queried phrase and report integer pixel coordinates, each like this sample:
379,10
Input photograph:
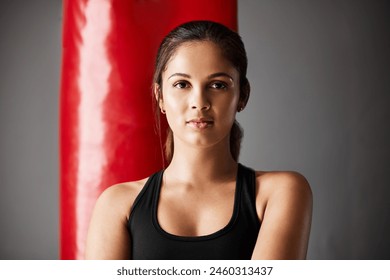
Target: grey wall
30,36
320,105
319,102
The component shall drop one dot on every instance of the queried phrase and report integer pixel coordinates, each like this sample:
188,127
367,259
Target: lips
200,123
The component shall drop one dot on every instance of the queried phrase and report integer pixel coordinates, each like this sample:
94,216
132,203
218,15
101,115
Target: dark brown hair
233,50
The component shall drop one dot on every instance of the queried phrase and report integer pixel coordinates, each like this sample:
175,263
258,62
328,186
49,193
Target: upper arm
108,237
285,229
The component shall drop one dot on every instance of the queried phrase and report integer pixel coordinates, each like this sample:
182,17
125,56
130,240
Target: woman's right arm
108,237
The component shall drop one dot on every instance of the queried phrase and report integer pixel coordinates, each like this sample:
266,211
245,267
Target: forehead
199,57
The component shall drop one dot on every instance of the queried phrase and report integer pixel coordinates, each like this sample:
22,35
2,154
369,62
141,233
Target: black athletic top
235,241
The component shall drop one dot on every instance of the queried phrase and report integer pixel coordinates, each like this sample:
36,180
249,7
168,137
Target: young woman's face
200,93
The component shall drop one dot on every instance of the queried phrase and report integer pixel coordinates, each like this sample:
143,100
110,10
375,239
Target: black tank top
235,241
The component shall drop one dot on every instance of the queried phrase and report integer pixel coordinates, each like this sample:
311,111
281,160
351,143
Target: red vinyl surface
107,124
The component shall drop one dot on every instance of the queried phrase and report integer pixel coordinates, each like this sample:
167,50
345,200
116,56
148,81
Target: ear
156,91
158,95
244,96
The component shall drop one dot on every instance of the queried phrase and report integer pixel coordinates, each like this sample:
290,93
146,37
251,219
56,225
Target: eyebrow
179,74
218,74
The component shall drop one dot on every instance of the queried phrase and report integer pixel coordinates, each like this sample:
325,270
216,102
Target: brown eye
180,84
218,85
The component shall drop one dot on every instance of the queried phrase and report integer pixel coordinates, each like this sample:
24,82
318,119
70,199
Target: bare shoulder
284,206
107,234
120,197
282,183
281,186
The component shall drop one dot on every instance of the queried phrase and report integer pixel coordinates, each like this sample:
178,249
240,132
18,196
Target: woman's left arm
285,203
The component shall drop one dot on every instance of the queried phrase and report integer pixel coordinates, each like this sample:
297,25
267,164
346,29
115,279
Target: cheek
174,109
229,105
226,113
173,105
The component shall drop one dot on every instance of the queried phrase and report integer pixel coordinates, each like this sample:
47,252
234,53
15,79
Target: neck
202,164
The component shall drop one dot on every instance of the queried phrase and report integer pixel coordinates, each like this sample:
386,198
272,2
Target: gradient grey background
319,72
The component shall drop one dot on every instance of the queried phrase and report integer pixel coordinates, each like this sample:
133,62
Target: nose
199,100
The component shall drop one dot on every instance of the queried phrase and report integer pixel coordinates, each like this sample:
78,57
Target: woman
204,204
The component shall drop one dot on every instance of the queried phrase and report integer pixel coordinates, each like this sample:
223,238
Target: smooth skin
200,97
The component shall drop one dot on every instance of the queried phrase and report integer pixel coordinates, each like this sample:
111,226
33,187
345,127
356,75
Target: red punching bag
107,126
